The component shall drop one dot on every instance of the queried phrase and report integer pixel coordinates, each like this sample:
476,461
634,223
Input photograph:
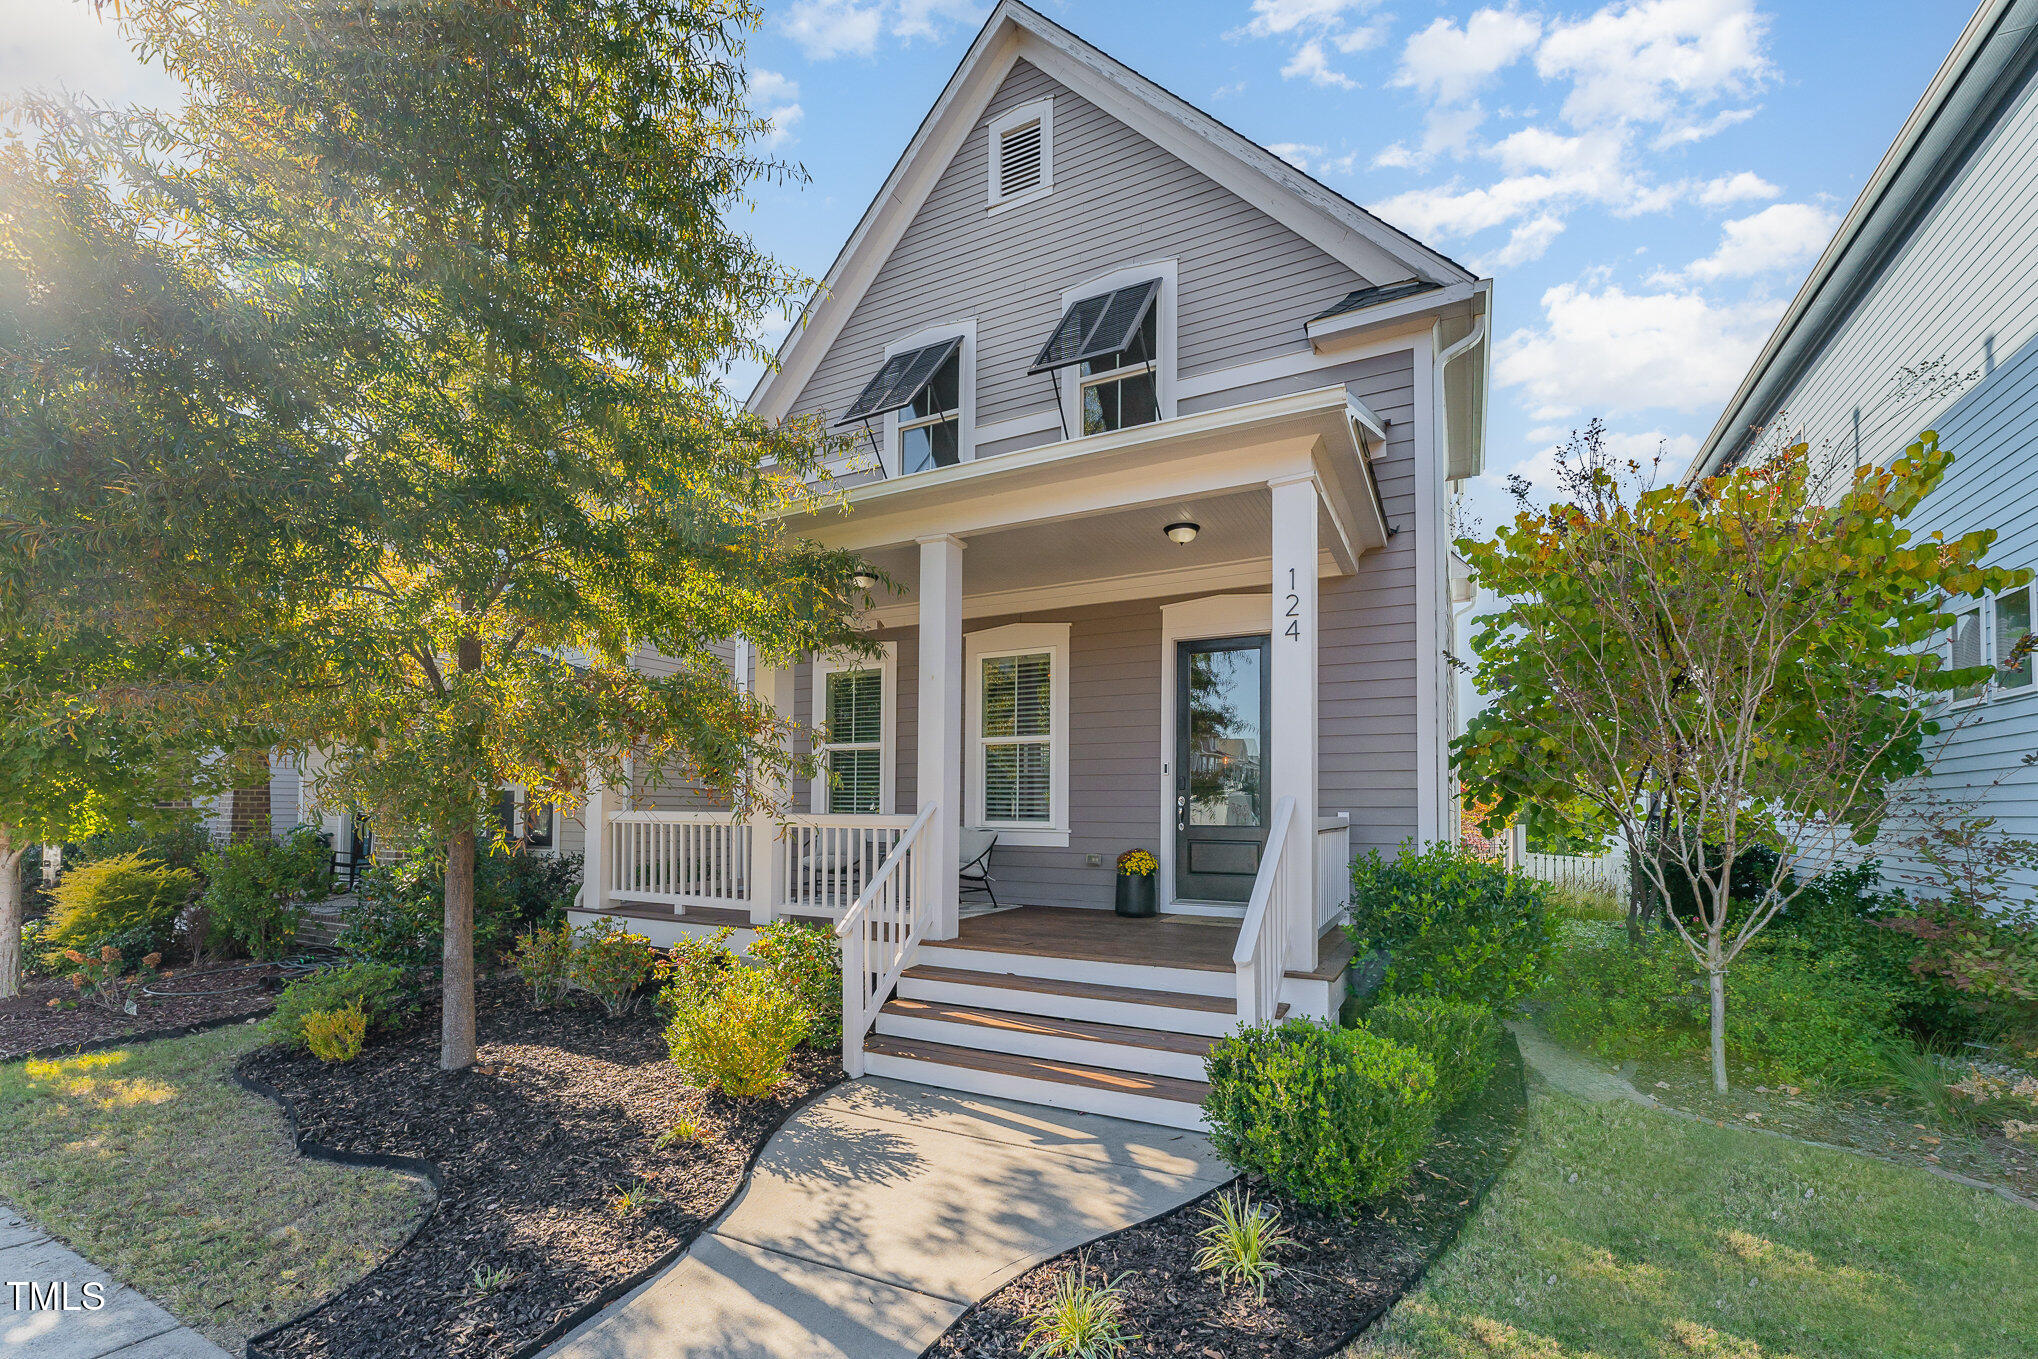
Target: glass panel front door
1221,721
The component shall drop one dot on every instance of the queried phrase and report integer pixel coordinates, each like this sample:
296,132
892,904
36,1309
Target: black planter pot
1135,894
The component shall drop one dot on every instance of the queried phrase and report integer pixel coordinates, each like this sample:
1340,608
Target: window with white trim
930,429
1991,631
1022,154
1018,723
1122,390
853,701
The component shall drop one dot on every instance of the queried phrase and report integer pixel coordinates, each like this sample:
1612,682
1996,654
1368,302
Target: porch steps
1123,1048
1166,1100
1092,1002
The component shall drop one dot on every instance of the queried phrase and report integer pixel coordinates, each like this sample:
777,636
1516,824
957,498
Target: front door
1221,721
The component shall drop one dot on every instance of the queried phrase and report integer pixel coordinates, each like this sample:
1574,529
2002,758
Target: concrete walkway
884,1209
128,1326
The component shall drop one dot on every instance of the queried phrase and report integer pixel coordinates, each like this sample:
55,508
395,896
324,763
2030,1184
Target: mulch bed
1342,1275
534,1145
30,1024
1877,1123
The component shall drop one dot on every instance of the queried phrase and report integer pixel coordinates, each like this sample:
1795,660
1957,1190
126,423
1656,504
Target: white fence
1599,872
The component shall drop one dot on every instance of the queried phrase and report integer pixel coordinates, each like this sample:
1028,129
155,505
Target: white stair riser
1160,1018
1076,1098
1188,980
1054,1047
1311,998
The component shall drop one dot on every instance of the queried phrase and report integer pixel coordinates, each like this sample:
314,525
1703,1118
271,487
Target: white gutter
1472,339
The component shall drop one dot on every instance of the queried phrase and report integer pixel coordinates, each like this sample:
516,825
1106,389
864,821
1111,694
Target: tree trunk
10,916
456,1023
1718,979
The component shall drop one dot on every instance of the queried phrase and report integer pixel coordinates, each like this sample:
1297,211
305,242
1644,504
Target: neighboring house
1162,439
1922,314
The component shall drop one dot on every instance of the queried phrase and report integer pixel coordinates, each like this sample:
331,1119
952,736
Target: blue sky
1647,181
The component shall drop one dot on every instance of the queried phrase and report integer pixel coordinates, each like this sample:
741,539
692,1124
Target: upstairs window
1112,340
930,427
1122,390
1022,154
1991,632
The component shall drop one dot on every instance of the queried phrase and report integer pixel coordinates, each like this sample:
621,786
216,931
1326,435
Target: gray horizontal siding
1247,283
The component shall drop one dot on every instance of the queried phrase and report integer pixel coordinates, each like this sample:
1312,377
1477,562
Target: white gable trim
1361,241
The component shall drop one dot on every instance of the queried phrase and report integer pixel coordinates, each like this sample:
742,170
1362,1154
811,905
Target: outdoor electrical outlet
1094,860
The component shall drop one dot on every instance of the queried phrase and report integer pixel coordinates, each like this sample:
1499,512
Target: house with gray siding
1921,315
1155,440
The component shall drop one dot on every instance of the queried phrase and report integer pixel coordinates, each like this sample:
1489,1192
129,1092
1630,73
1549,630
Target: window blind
1017,737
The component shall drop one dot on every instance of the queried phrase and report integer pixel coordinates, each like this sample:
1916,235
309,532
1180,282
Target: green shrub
128,901
694,969
335,1035
544,959
180,843
255,890
807,959
1462,1041
739,1036
1451,926
401,915
1332,1117
1793,1015
385,994
610,964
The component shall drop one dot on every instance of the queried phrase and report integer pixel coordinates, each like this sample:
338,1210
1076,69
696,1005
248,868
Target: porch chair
974,876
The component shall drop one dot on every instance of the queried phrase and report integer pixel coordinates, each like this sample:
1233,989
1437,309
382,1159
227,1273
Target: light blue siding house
1923,314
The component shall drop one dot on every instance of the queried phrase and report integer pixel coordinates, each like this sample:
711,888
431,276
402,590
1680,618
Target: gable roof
1327,219
1992,60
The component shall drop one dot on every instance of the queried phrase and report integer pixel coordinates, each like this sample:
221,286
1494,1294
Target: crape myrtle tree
1742,663
489,245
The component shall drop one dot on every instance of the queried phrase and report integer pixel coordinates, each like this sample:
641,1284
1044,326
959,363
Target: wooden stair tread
1040,1069
1195,1045
1127,995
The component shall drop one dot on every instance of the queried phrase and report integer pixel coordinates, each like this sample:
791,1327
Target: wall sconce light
1184,531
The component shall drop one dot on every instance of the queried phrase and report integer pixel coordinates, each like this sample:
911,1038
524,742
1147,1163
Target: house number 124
1294,614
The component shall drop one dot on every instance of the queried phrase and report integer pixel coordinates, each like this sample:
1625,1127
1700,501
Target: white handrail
879,933
1261,938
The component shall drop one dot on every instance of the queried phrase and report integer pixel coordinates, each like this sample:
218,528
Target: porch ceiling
1121,555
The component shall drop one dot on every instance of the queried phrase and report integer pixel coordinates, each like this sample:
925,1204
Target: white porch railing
1333,867
879,932
829,859
1262,939
679,858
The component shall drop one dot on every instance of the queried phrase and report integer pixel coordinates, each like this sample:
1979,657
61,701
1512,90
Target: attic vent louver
1019,160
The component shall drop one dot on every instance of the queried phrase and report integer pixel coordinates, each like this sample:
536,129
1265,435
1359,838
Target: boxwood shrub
1331,1116
1452,927
1461,1040
385,994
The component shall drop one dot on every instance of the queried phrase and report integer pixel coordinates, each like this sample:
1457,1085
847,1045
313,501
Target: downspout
1443,411
1444,360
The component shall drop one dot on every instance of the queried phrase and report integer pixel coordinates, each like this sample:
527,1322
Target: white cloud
1526,242
1395,156
1297,154
1278,18
776,97
1655,60
1231,91
826,29
1745,187
1781,236
1606,351
1683,133
770,87
1449,63
1310,63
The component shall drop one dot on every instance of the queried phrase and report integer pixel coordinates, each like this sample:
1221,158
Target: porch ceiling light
863,580
1184,530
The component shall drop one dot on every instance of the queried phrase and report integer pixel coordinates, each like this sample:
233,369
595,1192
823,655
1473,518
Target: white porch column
596,873
1292,745
766,880
940,734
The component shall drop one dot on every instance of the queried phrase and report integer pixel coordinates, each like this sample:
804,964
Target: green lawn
1621,1233
150,1163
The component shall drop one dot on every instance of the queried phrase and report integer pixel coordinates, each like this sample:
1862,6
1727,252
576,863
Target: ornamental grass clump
1079,1320
1332,1117
1462,1041
1240,1242
739,1036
